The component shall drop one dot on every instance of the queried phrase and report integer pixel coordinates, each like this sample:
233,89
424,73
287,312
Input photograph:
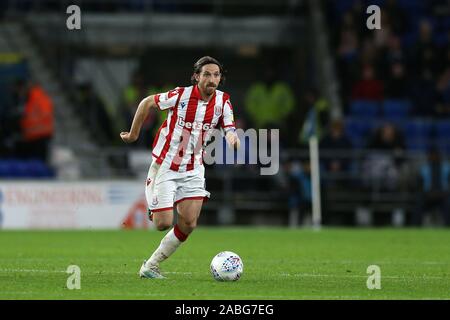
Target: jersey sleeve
227,120
167,100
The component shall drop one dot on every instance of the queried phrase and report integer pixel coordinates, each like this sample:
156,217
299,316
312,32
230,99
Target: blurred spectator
348,44
388,138
269,103
347,55
36,123
337,143
434,176
368,87
445,53
133,94
11,112
369,53
94,114
425,53
381,36
359,15
443,94
397,16
386,155
392,53
397,84
424,95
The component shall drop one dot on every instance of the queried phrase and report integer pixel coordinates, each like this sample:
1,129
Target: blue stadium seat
443,129
4,169
364,109
396,109
443,136
17,168
418,134
359,130
342,6
38,169
412,5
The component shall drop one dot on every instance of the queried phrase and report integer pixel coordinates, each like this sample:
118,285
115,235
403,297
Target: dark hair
207,60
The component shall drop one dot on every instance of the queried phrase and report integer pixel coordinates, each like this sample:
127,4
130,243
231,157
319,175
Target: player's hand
233,140
127,137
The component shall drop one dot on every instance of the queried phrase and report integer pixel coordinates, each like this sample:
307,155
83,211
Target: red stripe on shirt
185,132
173,121
206,120
155,141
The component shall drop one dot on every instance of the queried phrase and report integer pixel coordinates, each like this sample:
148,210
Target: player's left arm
229,126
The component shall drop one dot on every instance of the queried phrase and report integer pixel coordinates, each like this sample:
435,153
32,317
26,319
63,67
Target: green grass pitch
278,264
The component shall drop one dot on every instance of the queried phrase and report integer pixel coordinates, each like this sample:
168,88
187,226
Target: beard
210,89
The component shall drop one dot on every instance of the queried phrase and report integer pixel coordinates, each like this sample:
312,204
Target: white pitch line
95,272
357,276
296,275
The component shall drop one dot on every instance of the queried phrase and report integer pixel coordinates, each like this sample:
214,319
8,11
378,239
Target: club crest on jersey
218,110
155,201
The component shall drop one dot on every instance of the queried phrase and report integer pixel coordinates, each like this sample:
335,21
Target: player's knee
162,225
190,224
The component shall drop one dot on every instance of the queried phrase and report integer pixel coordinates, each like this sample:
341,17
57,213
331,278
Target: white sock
168,245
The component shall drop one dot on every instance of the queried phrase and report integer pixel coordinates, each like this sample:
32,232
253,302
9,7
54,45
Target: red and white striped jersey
179,141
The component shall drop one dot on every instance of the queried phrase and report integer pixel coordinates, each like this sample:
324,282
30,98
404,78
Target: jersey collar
196,93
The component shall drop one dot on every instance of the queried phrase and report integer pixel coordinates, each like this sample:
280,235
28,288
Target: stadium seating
443,136
364,109
396,109
418,134
359,130
17,168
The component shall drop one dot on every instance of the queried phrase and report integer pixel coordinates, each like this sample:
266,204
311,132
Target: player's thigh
160,198
190,196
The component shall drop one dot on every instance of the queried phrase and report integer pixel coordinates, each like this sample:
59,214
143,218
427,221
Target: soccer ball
227,266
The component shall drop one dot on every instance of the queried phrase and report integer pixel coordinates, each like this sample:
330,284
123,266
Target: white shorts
165,188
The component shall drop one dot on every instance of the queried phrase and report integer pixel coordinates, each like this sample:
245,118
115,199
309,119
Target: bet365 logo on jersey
193,125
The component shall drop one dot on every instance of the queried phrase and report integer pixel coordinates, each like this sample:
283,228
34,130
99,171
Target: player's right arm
139,117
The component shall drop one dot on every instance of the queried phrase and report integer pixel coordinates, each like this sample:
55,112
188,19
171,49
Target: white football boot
152,272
